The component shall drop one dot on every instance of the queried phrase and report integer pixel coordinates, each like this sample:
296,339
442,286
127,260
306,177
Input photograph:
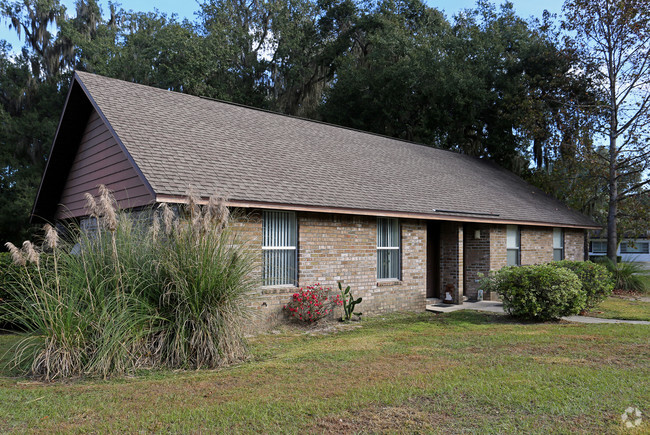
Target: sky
187,8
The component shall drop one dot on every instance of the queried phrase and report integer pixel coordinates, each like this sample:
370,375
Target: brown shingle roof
179,140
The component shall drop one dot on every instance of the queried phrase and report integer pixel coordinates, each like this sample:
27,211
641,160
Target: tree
280,55
386,82
487,84
48,55
613,37
33,85
581,182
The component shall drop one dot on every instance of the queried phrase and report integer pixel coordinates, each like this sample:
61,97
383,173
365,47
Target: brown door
433,259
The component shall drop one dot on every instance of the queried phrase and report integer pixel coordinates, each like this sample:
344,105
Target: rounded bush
541,292
597,282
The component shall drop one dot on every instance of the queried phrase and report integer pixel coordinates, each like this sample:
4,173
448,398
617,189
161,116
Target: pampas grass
166,291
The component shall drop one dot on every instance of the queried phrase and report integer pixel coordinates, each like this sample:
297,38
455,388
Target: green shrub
131,294
541,292
628,276
596,280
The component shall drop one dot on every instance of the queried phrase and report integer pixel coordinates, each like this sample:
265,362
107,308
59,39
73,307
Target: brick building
397,221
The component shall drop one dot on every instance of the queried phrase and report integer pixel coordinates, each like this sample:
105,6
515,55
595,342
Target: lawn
446,373
622,308
646,280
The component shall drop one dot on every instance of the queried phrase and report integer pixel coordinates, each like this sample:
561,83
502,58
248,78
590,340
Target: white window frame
516,247
559,248
396,245
602,243
636,250
279,235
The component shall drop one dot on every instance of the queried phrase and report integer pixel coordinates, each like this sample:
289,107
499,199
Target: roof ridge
286,115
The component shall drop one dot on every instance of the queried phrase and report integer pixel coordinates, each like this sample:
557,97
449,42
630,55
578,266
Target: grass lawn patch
646,279
442,373
622,308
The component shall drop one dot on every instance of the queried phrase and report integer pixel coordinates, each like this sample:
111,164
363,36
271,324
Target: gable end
100,160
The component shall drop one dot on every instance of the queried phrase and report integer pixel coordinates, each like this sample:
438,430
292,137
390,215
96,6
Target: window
279,245
637,248
513,245
558,244
598,247
388,249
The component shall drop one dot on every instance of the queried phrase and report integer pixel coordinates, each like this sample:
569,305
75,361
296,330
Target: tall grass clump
206,277
162,290
628,275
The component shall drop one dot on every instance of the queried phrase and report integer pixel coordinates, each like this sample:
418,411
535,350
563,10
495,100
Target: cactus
348,303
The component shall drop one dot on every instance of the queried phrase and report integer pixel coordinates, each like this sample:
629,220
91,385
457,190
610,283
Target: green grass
622,308
646,284
459,372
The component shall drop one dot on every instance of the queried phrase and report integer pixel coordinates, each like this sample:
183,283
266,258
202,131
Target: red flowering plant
312,303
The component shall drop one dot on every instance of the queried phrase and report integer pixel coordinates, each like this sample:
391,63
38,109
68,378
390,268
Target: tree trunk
612,237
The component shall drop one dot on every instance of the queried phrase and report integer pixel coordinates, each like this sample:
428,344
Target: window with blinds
558,244
388,248
279,246
513,245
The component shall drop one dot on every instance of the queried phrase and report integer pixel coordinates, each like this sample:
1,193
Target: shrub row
550,291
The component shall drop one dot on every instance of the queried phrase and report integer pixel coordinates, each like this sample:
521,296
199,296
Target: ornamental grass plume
216,213
51,236
91,205
108,208
16,255
194,208
155,227
222,213
105,306
167,218
30,253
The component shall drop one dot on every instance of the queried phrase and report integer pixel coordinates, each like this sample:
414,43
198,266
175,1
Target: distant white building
628,250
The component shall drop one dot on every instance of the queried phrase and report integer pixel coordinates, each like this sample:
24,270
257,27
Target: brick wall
574,245
343,247
498,246
536,245
451,255
477,257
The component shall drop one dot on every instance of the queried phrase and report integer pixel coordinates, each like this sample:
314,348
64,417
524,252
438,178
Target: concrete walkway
491,306
587,319
497,307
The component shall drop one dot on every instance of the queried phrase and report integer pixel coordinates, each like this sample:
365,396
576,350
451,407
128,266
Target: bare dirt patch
409,417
